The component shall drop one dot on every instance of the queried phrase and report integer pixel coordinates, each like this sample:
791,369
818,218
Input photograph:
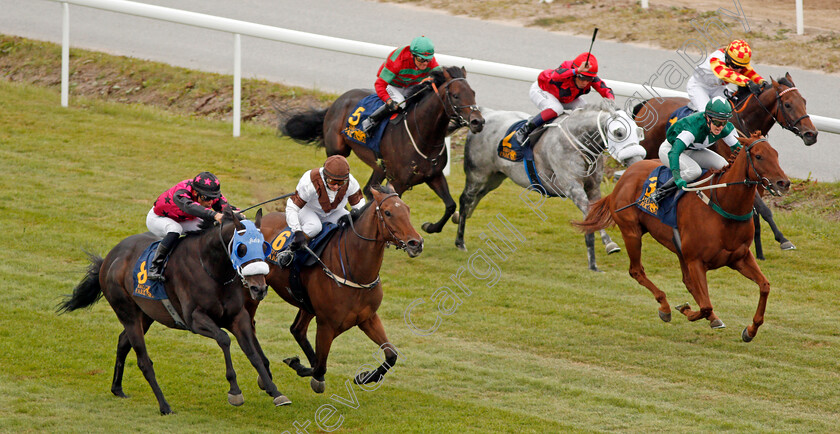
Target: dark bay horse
203,287
779,103
706,240
413,150
351,296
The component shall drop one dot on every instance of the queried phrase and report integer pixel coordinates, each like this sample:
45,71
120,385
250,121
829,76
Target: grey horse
569,158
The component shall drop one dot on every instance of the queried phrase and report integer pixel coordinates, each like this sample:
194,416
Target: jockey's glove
355,213
680,183
298,241
754,88
392,105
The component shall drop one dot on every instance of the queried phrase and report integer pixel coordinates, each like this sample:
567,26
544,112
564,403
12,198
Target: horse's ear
228,212
446,74
464,71
788,77
377,194
258,218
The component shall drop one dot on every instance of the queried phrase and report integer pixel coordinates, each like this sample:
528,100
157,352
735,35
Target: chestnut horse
201,284
350,292
413,150
706,240
779,103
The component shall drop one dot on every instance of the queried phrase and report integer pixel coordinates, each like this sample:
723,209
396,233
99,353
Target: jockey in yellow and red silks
726,65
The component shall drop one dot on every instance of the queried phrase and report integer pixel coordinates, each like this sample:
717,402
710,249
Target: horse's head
764,165
458,97
395,218
247,254
789,110
623,137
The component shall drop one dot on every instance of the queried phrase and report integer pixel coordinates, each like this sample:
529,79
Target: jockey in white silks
728,66
320,197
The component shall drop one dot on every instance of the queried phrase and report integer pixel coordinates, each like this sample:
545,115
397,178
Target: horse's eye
241,250
758,157
388,213
787,105
619,133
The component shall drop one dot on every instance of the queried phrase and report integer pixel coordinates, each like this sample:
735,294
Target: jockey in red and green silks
557,90
686,147
404,67
727,65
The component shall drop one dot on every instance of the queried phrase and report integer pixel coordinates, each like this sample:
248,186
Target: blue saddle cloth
516,152
352,130
679,113
666,209
284,239
143,287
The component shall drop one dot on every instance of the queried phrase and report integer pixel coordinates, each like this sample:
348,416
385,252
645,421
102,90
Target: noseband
451,110
400,244
763,181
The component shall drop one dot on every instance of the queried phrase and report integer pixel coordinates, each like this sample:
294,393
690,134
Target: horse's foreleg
749,268
767,215
123,347
589,240
694,277
323,341
633,244
205,326
241,328
298,329
251,307
439,185
374,329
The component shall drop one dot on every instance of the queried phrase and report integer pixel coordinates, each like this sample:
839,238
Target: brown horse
350,292
779,103
706,240
203,288
413,150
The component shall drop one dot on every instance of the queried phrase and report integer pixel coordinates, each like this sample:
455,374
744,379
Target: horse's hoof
664,316
119,393
717,324
281,400
787,245
367,378
612,247
683,307
745,335
461,246
317,386
456,217
236,400
165,410
291,360
426,227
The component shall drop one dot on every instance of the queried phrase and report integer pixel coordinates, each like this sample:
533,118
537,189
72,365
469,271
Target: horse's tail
88,291
599,216
306,126
636,108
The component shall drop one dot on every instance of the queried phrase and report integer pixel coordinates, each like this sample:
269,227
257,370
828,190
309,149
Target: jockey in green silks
686,147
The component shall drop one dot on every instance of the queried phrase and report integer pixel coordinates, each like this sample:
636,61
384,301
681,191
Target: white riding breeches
396,93
699,93
311,224
161,226
692,161
545,100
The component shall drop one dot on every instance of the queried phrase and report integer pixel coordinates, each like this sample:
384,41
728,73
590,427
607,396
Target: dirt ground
772,23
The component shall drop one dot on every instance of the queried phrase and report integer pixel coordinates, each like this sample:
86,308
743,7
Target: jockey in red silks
726,65
404,67
180,209
557,90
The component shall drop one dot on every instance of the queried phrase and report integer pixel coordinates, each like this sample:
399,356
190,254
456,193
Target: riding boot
374,118
163,249
520,136
663,191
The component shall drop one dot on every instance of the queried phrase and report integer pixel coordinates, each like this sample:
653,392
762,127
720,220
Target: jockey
725,65
560,89
404,67
686,149
180,209
321,196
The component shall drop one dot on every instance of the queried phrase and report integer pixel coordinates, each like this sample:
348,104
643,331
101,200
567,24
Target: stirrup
285,258
157,277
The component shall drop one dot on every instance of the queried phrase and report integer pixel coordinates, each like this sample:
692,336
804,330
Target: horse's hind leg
241,328
298,329
633,244
439,185
374,329
694,277
749,268
759,249
473,192
123,347
767,215
134,331
205,326
323,341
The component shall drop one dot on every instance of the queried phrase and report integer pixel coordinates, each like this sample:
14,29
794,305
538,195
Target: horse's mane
785,82
206,225
743,141
438,78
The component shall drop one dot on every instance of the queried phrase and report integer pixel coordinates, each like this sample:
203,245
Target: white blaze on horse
568,159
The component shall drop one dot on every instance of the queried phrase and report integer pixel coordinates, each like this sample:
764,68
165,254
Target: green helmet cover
422,46
718,108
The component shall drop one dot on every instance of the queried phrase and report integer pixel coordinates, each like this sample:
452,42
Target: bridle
398,243
789,124
229,250
763,181
452,111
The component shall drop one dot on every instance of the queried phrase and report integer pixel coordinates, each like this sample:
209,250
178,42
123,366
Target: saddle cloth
525,154
284,239
666,209
678,114
352,126
143,287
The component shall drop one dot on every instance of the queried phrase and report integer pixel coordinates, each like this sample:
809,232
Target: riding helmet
422,47
206,184
738,53
593,64
718,108
336,167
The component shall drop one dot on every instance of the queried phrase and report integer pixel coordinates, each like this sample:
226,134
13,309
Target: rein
790,124
589,155
201,259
